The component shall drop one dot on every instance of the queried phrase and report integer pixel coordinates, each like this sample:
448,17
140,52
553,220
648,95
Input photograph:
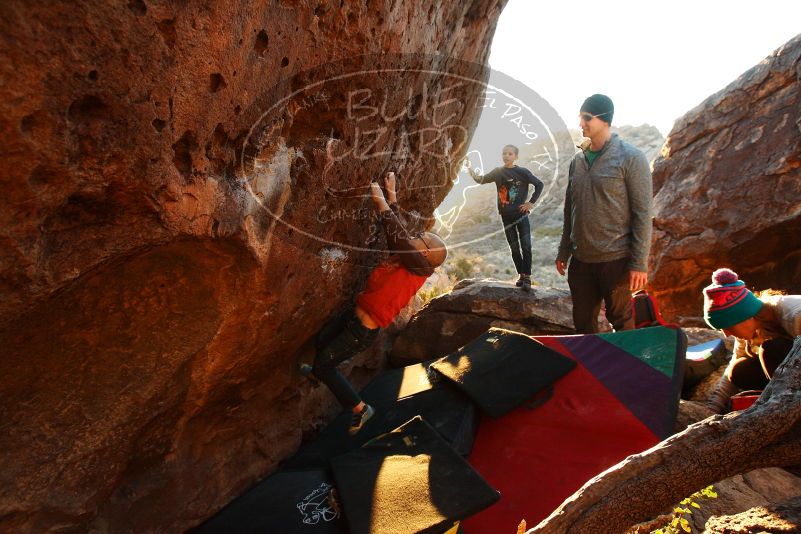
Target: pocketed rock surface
173,231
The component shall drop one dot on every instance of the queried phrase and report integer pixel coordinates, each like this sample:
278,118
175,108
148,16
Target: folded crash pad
288,502
621,399
703,360
408,481
397,396
501,369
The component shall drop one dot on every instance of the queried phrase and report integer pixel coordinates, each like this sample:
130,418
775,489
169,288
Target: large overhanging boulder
728,188
173,231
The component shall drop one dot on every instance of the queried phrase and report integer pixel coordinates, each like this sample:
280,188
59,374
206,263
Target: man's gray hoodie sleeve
640,190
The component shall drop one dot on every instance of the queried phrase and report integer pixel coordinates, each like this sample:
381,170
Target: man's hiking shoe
524,282
307,371
358,420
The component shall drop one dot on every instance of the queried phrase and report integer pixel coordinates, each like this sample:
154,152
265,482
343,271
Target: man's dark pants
518,235
593,283
340,339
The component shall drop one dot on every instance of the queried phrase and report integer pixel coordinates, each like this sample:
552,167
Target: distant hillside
645,137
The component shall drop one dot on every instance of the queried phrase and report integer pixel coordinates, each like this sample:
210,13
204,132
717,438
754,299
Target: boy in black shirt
512,184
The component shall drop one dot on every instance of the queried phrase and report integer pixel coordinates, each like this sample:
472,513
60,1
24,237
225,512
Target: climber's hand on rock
389,181
377,195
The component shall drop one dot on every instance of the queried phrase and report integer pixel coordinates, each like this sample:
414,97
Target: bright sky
655,60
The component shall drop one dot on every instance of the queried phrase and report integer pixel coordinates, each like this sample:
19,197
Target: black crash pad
397,395
408,481
501,369
288,502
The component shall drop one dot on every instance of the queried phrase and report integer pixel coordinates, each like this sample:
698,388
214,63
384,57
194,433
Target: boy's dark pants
340,339
518,235
592,283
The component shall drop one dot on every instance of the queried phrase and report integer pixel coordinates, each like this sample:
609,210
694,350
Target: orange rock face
728,189
182,210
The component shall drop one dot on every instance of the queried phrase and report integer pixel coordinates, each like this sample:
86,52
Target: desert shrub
679,522
553,231
436,285
463,267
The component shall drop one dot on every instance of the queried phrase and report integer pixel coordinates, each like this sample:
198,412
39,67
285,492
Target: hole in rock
42,175
137,7
87,108
168,31
182,151
216,82
262,41
31,122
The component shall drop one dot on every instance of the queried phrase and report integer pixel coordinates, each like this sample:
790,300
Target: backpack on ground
645,310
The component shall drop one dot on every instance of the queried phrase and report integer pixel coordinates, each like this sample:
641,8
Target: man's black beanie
599,105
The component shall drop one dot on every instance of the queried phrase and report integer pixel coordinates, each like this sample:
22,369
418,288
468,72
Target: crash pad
397,395
502,369
288,502
621,399
408,481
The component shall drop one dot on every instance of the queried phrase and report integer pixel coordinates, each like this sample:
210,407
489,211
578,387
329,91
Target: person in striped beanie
763,326
729,305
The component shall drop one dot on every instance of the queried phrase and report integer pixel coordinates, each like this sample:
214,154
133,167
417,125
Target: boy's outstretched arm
479,179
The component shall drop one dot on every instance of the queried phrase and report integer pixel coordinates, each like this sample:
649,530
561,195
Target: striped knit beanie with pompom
727,301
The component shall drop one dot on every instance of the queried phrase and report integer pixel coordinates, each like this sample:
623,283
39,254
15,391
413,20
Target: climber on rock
390,287
512,184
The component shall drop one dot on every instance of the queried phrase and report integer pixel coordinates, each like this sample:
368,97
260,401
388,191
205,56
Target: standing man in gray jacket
607,222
